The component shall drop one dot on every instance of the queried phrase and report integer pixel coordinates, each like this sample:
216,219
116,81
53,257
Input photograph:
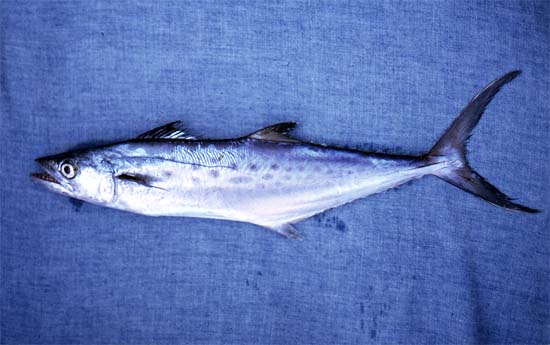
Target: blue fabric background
426,263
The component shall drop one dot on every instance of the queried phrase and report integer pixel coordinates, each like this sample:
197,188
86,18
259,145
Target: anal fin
287,230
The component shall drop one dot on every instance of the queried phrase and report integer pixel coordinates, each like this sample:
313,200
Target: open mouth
45,177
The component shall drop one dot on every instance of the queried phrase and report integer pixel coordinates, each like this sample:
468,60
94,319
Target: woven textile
426,263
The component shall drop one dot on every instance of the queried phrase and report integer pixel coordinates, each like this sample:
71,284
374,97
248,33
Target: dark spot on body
253,167
240,179
259,273
288,169
167,174
267,177
214,173
274,166
102,33
247,283
362,308
362,324
350,172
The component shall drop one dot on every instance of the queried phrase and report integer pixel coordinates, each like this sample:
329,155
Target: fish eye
68,169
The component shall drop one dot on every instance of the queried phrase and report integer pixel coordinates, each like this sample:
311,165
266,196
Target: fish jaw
51,178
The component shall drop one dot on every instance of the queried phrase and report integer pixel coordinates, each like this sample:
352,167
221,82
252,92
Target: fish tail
451,149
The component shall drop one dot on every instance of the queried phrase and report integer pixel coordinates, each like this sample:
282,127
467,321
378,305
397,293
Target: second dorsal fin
276,132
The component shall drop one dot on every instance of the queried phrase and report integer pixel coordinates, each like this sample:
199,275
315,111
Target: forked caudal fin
451,147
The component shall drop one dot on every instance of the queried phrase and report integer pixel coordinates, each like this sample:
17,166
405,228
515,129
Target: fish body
266,178
261,182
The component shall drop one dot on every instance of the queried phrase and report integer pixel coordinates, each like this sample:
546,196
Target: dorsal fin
276,132
172,130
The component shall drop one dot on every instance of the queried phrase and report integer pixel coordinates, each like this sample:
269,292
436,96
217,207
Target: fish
268,178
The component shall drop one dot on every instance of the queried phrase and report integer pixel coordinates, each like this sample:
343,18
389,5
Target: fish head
83,175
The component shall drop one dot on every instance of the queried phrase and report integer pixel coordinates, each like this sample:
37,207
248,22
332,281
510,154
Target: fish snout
49,167
46,162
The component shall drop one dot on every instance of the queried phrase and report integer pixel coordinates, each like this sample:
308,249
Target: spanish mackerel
268,178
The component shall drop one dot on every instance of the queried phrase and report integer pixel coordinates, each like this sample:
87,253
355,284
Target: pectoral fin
143,180
287,230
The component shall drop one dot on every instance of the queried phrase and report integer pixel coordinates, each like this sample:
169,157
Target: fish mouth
49,177
44,177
